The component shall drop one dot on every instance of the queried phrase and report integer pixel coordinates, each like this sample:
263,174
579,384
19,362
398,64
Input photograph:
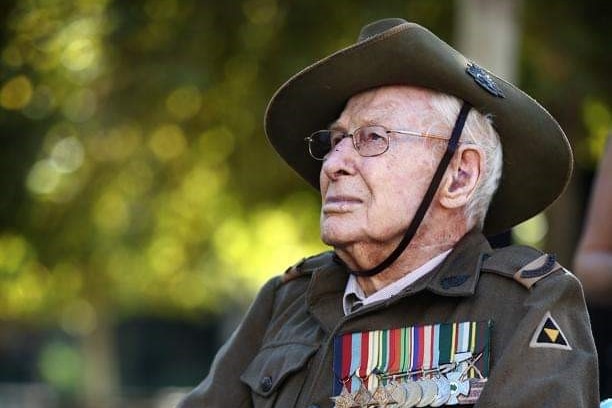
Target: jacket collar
457,276
459,273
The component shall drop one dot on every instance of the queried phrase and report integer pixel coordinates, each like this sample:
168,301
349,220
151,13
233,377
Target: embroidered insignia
453,281
538,269
537,272
549,335
483,79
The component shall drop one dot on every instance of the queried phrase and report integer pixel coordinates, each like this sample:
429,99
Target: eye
373,135
335,137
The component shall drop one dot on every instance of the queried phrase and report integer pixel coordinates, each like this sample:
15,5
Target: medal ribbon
398,351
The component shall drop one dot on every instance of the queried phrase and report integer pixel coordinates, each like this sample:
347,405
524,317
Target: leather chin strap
451,147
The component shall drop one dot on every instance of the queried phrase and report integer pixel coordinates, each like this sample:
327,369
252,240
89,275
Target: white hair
479,130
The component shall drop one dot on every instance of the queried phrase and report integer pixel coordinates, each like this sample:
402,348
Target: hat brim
537,156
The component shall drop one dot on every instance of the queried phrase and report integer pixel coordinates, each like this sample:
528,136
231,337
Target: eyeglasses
368,140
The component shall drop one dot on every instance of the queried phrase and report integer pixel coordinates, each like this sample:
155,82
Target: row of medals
438,390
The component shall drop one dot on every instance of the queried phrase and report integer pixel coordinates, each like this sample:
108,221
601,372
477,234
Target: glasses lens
371,140
319,144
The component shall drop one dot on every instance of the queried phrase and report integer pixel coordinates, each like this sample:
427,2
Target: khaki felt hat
537,155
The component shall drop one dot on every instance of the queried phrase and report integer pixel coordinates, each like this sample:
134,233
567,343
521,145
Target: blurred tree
135,174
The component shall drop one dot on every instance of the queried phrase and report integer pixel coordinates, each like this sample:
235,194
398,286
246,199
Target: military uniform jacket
281,354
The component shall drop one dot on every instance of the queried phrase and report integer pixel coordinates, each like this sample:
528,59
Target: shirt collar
353,294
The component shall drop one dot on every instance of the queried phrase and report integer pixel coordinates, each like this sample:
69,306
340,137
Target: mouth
340,204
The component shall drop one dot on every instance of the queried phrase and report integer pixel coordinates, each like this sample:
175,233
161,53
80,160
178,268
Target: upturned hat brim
537,155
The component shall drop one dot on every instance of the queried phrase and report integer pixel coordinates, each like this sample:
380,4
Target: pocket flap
273,364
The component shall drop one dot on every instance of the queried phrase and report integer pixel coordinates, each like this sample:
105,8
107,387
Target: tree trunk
488,32
101,374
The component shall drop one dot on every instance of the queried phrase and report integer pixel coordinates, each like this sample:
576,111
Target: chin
336,234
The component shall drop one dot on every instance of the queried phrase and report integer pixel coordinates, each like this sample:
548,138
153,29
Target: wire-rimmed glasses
372,140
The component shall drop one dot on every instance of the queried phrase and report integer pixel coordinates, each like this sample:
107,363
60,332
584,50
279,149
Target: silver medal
458,387
443,391
398,393
414,392
430,391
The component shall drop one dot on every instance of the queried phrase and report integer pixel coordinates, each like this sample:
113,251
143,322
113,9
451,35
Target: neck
424,246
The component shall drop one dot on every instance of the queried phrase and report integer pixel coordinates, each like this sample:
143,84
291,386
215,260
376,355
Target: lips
340,203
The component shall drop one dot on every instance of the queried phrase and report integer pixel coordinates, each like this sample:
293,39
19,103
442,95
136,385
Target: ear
462,176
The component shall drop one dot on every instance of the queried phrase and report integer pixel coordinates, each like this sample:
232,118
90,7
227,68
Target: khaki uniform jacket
281,354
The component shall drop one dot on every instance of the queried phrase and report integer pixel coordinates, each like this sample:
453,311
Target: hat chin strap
451,147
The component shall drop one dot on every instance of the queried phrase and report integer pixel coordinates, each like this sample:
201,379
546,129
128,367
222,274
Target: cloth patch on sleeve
549,335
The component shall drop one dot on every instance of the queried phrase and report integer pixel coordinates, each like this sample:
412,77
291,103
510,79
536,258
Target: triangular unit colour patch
549,335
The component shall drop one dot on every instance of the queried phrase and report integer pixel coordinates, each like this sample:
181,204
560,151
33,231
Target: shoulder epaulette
524,264
306,266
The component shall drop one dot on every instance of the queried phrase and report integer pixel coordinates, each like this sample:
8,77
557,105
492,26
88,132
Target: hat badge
483,79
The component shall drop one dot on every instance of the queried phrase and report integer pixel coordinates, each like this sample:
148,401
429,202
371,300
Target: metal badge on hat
482,78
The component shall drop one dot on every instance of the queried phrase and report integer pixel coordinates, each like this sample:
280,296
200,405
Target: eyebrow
335,125
371,121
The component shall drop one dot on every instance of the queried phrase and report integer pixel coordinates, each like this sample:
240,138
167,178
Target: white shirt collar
354,295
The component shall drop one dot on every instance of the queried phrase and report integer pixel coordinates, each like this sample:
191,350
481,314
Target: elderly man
417,152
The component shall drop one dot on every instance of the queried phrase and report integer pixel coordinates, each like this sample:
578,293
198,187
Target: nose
341,160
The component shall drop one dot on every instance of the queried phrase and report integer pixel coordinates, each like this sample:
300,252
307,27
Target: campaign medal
457,387
362,397
414,393
344,400
443,391
382,397
430,391
398,394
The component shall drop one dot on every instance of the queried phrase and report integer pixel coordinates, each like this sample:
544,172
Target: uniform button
266,384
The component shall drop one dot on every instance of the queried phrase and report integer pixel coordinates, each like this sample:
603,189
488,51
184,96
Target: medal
430,391
382,397
344,400
397,393
457,387
413,393
362,397
443,391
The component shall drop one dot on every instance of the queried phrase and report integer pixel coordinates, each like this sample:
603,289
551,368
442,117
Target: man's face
373,199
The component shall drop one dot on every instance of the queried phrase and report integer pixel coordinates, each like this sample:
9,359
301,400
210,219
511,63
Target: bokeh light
111,213
61,365
67,155
167,142
79,54
184,102
79,318
16,93
44,177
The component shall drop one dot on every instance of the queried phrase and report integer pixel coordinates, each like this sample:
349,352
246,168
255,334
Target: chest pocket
276,375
